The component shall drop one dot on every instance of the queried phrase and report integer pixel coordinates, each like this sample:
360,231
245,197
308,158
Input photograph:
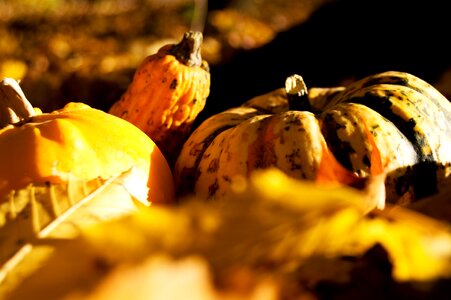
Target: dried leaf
35,219
274,225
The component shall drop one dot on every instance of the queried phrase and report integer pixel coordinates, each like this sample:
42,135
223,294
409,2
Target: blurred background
88,50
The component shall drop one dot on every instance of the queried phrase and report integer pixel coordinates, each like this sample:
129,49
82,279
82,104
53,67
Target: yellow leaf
272,224
36,219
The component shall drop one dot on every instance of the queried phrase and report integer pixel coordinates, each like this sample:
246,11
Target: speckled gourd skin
169,89
408,119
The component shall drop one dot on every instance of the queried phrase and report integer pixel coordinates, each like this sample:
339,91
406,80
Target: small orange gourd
169,89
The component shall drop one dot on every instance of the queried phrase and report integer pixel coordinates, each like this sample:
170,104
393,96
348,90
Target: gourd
52,164
391,122
169,89
76,141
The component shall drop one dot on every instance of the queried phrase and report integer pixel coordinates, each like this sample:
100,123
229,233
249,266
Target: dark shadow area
345,39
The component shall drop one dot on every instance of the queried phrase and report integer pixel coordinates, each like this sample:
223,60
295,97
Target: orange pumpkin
63,171
78,142
168,91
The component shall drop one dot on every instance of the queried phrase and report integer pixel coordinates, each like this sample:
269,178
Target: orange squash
75,142
62,172
168,91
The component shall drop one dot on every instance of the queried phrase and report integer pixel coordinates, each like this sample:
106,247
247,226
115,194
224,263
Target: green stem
15,109
297,93
188,50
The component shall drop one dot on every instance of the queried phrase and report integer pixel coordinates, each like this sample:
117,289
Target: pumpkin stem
15,109
297,93
188,50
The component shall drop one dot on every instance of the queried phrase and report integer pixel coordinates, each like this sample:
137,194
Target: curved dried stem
188,51
15,109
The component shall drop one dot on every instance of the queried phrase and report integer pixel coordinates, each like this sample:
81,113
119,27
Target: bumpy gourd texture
396,114
168,91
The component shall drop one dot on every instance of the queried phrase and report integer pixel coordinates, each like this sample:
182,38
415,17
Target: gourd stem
297,93
188,50
15,109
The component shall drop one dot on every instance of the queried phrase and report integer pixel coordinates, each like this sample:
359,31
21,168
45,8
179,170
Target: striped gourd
395,116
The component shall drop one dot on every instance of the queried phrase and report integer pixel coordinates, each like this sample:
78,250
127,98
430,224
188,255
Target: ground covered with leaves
88,50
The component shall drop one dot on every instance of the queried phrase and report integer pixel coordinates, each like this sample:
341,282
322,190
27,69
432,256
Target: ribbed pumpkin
391,121
168,91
